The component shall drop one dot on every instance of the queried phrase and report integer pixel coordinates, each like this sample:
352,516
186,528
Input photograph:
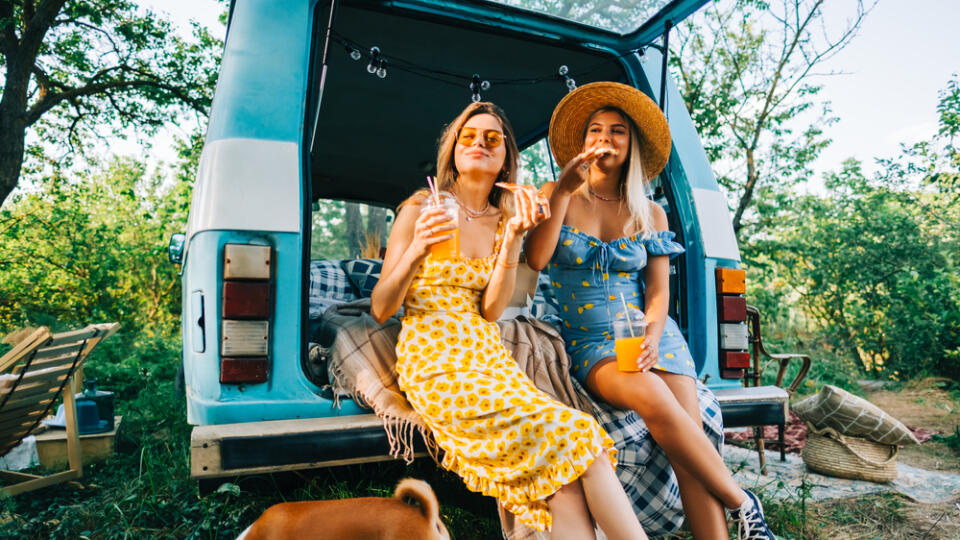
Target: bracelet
505,264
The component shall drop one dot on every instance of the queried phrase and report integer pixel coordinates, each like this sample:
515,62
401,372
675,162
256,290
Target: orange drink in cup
628,335
450,247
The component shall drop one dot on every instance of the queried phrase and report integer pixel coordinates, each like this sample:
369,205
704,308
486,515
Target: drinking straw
433,189
626,312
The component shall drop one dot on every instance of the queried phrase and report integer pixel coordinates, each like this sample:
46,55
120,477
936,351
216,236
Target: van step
285,445
753,405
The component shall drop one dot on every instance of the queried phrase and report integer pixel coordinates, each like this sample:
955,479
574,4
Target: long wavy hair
633,182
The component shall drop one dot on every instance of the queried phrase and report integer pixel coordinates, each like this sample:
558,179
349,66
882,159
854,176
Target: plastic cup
451,247
628,338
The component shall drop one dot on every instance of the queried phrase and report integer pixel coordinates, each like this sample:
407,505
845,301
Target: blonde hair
633,182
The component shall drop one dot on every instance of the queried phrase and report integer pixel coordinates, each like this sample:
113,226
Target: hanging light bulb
355,54
382,69
485,85
564,72
374,60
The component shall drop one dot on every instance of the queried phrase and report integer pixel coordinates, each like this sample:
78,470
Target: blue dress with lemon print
503,436
588,275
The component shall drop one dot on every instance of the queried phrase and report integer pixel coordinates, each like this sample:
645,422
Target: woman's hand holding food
531,208
577,170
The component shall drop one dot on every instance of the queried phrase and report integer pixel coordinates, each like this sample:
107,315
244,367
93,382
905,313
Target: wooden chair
42,365
757,406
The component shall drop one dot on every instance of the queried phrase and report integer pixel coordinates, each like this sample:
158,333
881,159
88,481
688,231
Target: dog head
418,494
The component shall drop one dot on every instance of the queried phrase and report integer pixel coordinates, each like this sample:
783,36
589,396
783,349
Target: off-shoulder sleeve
662,243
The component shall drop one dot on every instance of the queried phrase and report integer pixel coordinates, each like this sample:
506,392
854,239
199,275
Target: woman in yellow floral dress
548,464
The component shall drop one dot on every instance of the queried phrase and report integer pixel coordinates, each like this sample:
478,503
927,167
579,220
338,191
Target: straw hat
570,117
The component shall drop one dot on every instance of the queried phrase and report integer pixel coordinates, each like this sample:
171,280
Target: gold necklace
601,197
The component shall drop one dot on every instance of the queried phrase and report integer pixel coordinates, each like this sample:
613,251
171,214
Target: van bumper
227,450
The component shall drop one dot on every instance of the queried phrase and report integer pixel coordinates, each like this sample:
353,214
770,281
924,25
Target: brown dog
411,514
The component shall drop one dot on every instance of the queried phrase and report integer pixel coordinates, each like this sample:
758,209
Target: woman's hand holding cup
436,223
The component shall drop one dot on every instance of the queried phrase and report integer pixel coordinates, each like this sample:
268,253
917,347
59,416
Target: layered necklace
472,214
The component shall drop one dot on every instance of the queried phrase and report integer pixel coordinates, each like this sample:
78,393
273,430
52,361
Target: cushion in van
328,285
363,274
853,416
544,304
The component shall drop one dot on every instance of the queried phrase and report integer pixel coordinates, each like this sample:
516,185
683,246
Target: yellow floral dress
503,436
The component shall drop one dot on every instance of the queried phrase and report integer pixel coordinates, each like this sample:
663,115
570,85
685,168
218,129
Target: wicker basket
830,453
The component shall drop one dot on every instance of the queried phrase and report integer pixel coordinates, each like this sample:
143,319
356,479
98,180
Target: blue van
325,117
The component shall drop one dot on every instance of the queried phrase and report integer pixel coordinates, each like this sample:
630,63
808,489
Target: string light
374,60
377,65
476,85
354,53
564,72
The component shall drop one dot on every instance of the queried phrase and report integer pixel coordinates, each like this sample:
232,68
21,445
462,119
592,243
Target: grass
144,491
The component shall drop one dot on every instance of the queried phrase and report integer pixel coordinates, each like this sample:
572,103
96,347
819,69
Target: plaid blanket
362,360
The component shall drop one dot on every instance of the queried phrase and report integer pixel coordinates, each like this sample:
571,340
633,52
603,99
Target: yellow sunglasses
492,138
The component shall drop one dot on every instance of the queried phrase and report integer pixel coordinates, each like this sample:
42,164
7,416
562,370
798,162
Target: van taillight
731,318
246,306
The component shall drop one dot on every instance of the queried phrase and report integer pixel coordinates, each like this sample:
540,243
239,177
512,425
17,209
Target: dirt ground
919,404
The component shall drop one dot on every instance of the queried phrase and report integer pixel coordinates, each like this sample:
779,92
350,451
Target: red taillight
246,307
243,370
246,299
731,317
734,360
732,308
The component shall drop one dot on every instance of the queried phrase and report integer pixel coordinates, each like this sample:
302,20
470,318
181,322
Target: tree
94,249
75,70
876,262
746,72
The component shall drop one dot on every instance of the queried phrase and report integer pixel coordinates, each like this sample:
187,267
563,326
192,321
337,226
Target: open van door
325,117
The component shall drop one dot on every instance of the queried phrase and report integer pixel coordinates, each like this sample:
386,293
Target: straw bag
830,453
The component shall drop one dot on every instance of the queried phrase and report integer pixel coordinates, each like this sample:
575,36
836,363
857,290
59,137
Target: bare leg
608,503
571,517
709,520
672,427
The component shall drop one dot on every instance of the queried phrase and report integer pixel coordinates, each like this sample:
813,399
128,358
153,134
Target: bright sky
904,54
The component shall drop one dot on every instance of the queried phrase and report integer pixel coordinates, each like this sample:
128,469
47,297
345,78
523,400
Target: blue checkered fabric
328,286
643,468
544,304
363,274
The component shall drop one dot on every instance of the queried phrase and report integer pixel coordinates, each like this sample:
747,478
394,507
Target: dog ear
418,494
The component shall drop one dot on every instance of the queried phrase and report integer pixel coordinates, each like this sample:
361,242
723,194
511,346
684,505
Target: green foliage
81,70
744,70
145,490
867,275
94,250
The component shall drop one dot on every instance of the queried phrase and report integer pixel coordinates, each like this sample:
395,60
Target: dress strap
499,237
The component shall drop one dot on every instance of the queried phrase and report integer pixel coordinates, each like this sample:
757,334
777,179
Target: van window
348,230
537,165
613,15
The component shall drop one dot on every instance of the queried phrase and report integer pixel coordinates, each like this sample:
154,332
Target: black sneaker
751,524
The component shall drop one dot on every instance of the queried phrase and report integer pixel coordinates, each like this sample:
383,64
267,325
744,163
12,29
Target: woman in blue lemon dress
605,239
548,464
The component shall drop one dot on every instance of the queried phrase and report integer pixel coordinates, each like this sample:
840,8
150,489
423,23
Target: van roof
375,138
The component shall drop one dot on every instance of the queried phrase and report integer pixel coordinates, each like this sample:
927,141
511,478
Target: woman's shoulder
659,216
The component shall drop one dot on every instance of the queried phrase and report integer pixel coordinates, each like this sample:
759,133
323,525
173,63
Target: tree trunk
11,155
748,187
354,230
